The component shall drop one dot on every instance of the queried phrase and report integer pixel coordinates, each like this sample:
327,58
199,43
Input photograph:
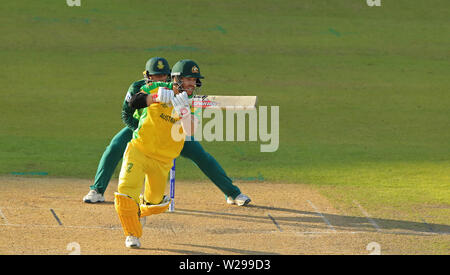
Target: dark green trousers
192,150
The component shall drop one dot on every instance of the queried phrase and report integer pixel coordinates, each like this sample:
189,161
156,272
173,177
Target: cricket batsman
150,153
157,71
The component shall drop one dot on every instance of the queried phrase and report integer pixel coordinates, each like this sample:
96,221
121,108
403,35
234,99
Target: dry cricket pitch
47,216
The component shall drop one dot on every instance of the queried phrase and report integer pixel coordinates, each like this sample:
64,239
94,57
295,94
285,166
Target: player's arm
132,102
140,100
127,110
145,97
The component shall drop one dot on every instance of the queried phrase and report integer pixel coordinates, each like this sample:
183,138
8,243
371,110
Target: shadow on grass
313,220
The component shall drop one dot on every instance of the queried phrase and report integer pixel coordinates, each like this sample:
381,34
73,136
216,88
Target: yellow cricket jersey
158,135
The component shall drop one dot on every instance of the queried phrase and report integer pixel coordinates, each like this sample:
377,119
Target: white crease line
305,233
59,226
368,216
328,232
3,217
323,217
95,210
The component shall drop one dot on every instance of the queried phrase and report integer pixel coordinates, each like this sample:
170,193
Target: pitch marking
58,226
56,217
368,216
3,217
262,232
323,217
275,222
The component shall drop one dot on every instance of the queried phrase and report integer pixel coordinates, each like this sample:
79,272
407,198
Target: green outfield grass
363,92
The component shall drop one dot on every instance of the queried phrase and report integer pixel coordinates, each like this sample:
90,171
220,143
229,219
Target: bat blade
220,101
224,102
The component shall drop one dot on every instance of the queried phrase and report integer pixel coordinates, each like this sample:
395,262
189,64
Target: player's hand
180,103
164,95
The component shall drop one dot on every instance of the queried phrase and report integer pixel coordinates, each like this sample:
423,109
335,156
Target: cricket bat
221,102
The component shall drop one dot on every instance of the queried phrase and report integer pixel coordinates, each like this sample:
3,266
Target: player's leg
154,200
126,200
194,151
107,165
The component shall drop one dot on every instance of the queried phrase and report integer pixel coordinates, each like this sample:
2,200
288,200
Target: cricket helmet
157,65
186,68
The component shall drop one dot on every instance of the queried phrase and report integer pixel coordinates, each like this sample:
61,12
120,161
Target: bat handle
155,99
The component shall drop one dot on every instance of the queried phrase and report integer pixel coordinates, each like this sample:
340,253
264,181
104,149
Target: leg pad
128,211
152,209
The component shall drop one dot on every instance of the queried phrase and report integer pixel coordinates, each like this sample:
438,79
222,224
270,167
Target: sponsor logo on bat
202,102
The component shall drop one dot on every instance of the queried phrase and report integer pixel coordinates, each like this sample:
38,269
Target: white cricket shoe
93,197
132,242
240,200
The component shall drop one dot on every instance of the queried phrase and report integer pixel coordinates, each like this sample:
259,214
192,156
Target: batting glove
164,95
180,103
